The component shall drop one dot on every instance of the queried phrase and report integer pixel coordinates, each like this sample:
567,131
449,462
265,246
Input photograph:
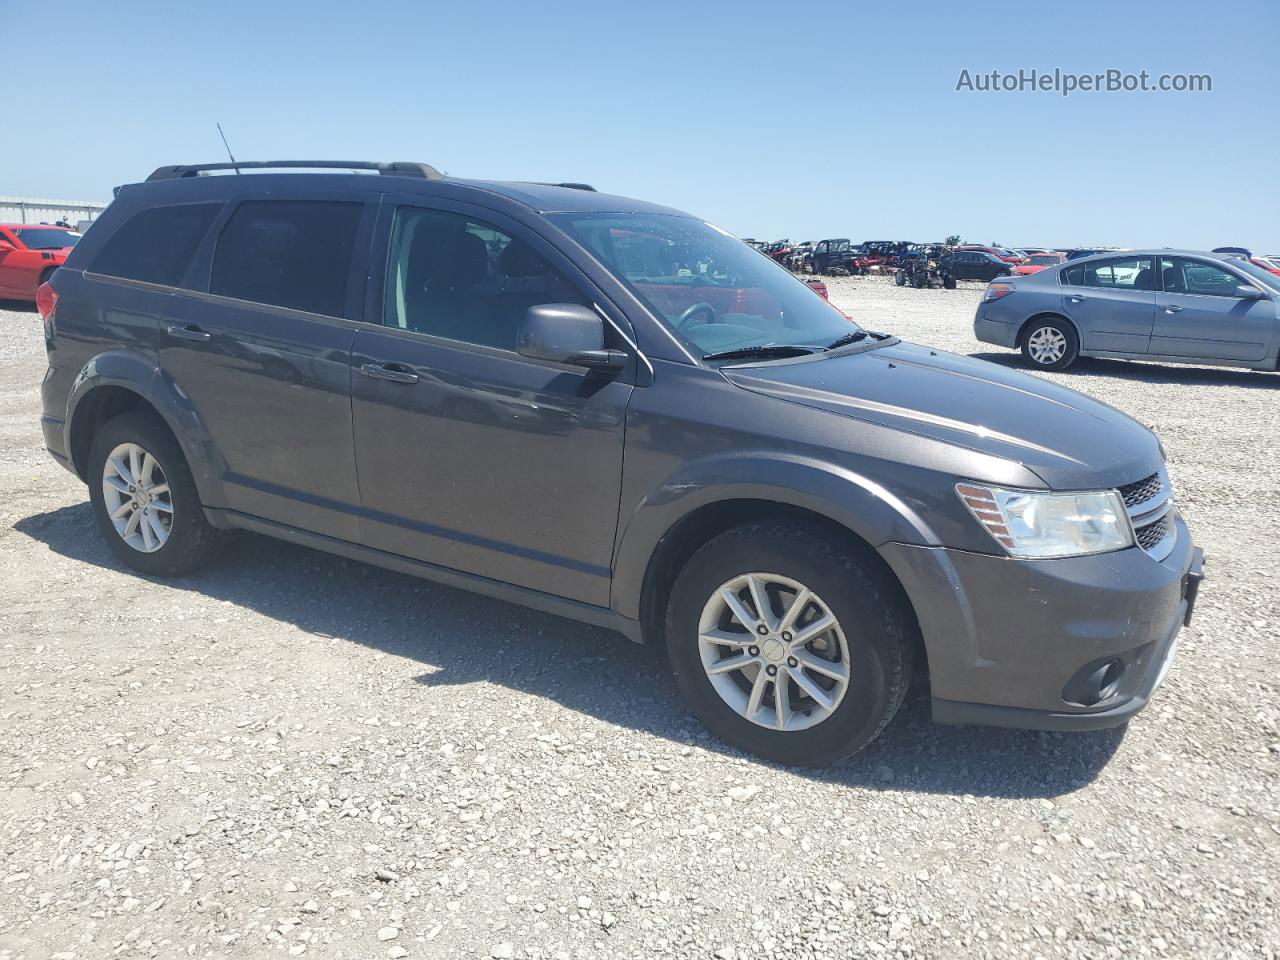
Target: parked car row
29,253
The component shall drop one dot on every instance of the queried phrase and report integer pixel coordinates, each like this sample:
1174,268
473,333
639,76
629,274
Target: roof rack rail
397,169
571,186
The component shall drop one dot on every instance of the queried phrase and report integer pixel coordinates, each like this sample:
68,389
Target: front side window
706,285
1122,273
288,253
1196,276
455,277
34,239
156,245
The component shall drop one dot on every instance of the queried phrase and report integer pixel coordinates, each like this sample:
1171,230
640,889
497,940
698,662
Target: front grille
1151,535
1141,491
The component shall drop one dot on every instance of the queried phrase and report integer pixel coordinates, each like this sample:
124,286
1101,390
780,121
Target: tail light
46,300
995,291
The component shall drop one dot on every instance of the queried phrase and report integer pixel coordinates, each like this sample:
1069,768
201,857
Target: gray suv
1174,306
618,413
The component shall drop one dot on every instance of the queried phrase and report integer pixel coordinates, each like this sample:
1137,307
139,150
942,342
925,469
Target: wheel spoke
757,693
157,528
148,537
836,670
811,630
797,607
158,489
729,664
135,463
158,505
122,469
781,701
148,468
117,484
816,693
761,600
131,527
736,607
121,510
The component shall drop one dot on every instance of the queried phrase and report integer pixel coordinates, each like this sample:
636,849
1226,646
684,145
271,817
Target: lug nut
754,651
792,662
771,670
786,635
762,629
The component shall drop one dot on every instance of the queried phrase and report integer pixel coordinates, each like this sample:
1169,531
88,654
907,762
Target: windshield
707,286
44,239
1044,260
1265,277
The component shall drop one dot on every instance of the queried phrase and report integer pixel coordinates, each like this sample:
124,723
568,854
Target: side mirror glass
567,333
1248,292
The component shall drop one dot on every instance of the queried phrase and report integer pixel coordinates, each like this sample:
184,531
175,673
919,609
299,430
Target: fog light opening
1094,683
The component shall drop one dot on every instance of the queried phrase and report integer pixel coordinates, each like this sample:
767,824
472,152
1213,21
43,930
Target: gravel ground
292,754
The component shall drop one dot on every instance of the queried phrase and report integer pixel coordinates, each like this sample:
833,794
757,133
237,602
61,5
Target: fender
135,372
861,504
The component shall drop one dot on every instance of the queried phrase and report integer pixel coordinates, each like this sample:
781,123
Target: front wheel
788,645
899,278
144,498
1050,344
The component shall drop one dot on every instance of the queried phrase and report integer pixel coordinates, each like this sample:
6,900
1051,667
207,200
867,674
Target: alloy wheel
1047,345
774,651
136,495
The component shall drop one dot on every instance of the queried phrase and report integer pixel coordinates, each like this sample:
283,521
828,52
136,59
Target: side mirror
6,246
567,333
1249,292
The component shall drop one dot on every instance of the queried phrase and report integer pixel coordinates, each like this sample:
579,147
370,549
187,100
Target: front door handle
1172,309
1076,299
189,331
394,372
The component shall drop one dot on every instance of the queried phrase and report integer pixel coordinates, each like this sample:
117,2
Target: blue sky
771,119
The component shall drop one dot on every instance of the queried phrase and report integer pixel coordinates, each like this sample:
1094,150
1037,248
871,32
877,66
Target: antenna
227,145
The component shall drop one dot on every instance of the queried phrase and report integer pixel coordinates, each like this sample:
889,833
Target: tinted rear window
288,253
156,245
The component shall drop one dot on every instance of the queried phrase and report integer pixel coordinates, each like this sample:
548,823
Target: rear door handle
189,332
394,372
1075,299
1172,309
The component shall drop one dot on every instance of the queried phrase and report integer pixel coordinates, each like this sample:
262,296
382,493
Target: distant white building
34,210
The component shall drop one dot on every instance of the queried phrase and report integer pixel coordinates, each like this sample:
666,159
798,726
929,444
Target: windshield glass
708,287
1265,277
1044,260
35,239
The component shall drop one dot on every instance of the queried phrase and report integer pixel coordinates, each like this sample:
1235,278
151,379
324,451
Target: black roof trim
400,168
571,186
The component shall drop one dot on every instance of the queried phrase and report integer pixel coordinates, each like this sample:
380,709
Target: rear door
472,456
1199,315
261,345
1112,303
11,271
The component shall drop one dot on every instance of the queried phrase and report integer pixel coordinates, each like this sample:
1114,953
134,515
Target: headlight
1033,524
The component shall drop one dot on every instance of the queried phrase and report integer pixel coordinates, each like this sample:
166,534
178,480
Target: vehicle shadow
18,306
1150,372
466,638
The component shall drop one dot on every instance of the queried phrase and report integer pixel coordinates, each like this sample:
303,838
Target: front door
471,456
1112,303
262,348
1199,315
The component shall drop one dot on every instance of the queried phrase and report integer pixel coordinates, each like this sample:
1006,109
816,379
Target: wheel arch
120,382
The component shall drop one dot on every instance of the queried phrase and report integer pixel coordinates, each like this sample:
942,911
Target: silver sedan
1177,306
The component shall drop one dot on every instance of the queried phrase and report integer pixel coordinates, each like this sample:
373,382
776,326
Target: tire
1041,337
899,278
949,282
188,538
871,638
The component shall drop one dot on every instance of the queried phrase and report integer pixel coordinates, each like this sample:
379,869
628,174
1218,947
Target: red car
1038,261
28,255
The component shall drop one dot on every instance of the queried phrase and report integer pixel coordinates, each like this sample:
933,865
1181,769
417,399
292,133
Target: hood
1067,439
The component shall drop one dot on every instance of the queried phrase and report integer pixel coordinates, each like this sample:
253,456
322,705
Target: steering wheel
692,311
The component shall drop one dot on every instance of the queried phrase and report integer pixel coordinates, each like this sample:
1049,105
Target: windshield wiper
763,352
847,339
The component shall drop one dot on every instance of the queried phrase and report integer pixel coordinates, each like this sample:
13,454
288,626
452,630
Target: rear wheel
787,645
1050,344
899,278
144,498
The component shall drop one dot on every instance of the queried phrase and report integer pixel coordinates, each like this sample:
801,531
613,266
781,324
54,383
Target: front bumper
1009,640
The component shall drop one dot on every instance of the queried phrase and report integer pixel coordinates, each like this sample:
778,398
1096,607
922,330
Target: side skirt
534,599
